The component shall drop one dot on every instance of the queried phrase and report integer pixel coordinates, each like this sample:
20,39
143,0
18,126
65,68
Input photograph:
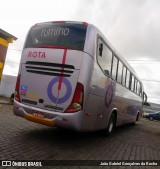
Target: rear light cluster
77,101
16,94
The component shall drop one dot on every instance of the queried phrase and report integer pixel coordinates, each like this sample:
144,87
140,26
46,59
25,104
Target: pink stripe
64,56
63,62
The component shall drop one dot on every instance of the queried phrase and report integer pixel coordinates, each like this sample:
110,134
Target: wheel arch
114,111
107,131
137,116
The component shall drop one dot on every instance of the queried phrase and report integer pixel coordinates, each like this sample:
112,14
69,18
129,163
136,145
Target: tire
151,118
111,125
137,118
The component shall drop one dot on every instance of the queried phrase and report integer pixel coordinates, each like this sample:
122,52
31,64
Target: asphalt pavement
24,140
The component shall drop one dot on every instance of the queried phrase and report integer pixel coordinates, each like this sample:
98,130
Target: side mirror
144,97
100,49
106,72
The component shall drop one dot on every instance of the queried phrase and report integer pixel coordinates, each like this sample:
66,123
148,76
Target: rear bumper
43,121
50,118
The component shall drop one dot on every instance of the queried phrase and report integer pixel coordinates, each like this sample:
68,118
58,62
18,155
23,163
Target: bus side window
124,76
119,75
132,83
140,89
135,89
127,78
104,57
114,68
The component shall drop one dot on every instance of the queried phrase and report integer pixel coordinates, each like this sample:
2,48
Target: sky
131,26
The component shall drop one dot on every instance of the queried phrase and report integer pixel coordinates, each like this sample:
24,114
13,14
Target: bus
71,77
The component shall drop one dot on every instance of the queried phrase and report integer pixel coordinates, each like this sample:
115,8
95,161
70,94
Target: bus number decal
63,99
109,94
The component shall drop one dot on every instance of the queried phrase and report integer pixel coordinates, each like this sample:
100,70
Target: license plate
38,114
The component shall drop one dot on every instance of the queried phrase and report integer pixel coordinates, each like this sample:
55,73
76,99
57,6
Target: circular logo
109,94
67,95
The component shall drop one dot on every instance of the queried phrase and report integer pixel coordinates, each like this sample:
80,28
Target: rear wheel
110,126
137,119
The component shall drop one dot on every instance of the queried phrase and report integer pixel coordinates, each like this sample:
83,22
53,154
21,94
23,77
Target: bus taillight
77,101
16,94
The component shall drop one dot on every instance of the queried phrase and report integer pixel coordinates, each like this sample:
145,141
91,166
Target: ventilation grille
50,69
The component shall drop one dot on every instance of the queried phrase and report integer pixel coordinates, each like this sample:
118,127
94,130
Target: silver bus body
51,79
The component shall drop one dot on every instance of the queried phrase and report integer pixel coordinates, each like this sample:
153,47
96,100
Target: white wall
7,85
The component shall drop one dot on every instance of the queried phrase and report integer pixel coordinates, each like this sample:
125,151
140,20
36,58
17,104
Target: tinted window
133,83
127,78
114,68
140,89
124,76
105,59
135,86
119,75
61,35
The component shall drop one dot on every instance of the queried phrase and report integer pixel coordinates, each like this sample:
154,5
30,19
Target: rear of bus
48,89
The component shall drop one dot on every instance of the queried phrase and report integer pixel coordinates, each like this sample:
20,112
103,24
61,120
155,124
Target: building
5,39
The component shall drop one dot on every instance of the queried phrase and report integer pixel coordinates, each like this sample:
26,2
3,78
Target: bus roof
63,22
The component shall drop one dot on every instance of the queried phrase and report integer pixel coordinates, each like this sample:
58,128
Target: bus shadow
56,143
58,135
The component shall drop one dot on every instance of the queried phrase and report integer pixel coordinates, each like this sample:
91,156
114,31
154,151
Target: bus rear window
63,35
